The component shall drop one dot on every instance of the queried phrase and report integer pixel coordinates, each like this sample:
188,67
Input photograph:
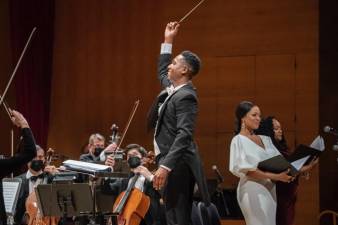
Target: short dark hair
242,109
138,147
193,61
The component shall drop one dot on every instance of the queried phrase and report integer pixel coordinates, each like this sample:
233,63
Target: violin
34,214
115,138
131,205
119,152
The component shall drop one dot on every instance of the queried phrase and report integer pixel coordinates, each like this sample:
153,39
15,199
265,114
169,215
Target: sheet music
318,143
300,162
90,167
10,193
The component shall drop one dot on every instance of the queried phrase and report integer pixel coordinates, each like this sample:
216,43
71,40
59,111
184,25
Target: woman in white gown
256,192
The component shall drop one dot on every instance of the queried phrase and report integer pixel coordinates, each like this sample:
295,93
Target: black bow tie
34,178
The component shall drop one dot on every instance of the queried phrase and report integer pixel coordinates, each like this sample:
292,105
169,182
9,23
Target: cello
131,205
34,214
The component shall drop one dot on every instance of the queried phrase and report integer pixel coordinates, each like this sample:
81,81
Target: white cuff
103,156
166,48
164,167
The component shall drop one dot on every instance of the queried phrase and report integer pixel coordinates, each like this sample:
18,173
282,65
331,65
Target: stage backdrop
105,56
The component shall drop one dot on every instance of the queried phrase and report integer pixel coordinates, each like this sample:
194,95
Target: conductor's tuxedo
177,150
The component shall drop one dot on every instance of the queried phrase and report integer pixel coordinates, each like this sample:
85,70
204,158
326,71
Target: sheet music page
86,165
10,190
318,143
300,162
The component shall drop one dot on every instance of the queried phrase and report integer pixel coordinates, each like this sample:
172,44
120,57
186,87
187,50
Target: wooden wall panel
223,147
235,83
275,87
307,88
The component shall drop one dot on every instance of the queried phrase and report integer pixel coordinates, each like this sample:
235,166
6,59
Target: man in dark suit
10,164
176,152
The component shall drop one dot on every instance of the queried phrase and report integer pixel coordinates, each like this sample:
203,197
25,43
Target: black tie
34,178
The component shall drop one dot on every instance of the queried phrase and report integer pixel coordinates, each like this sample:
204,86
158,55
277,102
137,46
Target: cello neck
119,208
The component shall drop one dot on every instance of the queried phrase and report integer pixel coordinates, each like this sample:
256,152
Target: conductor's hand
160,178
170,32
18,119
284,177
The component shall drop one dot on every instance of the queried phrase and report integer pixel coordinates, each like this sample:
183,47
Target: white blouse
245,154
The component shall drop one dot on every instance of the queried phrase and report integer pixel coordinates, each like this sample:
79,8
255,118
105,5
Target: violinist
136,157
10,164
36,174
96,145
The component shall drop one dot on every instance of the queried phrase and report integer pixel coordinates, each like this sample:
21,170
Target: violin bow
7,108
131,116
17,65
193,9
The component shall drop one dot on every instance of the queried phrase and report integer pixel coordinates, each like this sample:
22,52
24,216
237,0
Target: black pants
178,195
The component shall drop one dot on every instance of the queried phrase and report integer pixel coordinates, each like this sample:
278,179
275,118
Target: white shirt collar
171,89
29,174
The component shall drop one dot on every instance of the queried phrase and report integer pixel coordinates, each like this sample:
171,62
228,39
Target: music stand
64,200
11,190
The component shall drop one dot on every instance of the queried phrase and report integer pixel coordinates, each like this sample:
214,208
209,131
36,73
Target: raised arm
170,32
29,148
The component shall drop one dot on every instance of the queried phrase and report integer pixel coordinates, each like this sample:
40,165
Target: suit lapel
164,106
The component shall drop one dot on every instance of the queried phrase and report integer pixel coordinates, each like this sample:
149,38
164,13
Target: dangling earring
243,126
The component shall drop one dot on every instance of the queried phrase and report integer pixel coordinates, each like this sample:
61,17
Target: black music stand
64,200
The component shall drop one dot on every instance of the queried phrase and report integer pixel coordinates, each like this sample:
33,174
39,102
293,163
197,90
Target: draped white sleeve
245,154
240,161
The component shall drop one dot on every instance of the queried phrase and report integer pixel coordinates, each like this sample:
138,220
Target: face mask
36,165
97,151
134,162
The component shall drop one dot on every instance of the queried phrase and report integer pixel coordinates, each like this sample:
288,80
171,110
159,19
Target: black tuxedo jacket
10,164
175,128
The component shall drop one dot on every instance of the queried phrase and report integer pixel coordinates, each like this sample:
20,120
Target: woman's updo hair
242,109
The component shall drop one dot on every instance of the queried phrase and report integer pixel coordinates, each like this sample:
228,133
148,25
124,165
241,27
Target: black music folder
301,156
304,151
277,164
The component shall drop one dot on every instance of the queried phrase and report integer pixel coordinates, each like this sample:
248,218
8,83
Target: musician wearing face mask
136,158
36,174
96,146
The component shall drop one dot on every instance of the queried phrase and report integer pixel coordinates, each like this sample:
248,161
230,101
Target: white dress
256,198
